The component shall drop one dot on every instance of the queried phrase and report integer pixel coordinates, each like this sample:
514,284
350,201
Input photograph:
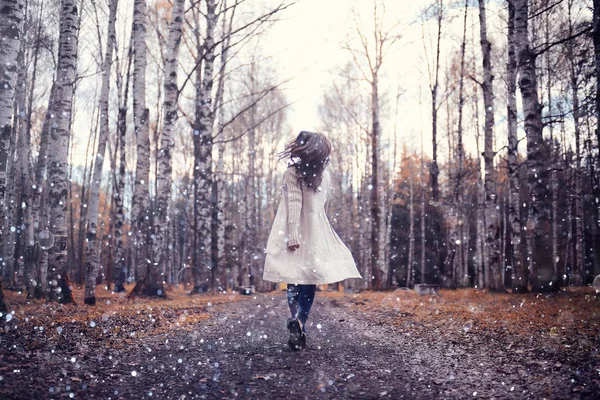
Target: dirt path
241,352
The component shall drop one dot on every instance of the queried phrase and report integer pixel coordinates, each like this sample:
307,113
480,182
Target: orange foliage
116,319
559,317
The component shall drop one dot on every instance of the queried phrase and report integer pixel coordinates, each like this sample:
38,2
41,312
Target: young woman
303,250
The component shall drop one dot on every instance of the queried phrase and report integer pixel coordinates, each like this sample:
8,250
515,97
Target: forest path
241,351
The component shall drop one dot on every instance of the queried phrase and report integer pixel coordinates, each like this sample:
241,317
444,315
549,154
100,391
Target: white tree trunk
378,270
141,198
480,276
19,122
11,26
27,229
538,223
58,145
8,241
220,173
121,272
40,207
579,210
519,270
92,261
164,177
492,227
31,213
203,143
251,225
463,245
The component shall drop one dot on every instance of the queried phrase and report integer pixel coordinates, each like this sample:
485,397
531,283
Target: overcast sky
308,43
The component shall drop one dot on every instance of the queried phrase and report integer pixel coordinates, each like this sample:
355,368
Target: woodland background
141,136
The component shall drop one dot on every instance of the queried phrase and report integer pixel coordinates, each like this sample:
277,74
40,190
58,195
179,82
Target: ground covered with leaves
458,344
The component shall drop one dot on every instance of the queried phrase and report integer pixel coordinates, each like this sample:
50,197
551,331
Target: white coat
301,219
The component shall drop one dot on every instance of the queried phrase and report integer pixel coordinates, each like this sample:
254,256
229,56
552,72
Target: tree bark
519,268
578,275
120,272
252,193
141,214
480,276
220,176
11,26
538,223
596,39
19,128
203,143
40,206
492,228
164,179
58,145
377,270
34,282
26,260
12,16
92,261
9,230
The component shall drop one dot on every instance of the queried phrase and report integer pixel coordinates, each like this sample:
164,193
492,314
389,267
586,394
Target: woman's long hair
309,154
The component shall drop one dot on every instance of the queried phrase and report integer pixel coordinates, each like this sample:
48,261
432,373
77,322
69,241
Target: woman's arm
294,203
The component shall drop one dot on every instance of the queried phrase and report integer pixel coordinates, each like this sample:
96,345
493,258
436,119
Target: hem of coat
307,282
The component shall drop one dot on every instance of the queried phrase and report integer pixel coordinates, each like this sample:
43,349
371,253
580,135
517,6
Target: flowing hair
309,153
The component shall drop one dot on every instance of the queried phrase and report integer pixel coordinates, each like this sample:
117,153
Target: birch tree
538,222
492,227
92,256
141,198
519,276
203,124
58,144
252,195
220,177
26,259
11,30
120,257
164,174
463,245
596,38
20,174
36,279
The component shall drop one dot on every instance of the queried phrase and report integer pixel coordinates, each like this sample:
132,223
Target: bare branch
564,40
252,104
257,124
544,10
350,114
258,22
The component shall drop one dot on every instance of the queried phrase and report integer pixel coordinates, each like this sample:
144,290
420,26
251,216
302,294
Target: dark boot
297,340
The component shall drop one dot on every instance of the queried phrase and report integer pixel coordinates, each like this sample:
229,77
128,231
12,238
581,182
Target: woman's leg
306,296
300,299
292,297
